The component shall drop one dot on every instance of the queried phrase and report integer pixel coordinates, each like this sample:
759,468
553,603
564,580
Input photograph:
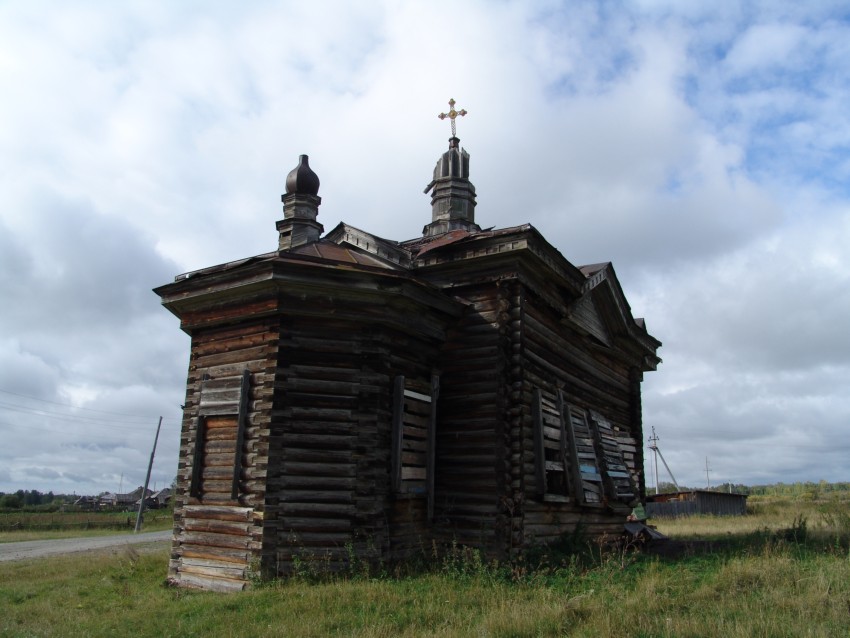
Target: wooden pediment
603,312
584,315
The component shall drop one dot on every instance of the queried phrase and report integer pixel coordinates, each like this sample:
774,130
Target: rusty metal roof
336,252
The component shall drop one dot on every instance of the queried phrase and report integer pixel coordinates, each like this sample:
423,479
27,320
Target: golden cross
452,114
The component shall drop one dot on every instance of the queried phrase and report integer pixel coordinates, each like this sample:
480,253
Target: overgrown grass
825,521
766,583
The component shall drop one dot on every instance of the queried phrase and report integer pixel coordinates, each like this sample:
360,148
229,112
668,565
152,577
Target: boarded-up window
618,479
588,487
219,449
578,454
414,414
219,438
550,448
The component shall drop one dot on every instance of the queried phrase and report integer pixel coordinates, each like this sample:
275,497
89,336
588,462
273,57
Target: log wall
217,539
473,472
330,496
557,355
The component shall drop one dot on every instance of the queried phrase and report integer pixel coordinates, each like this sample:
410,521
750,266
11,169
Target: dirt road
41,549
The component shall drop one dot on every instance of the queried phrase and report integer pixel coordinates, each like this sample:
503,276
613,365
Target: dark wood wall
473,470
318,472
329,486
561,355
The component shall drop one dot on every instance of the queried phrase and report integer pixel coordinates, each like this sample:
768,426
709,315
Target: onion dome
301,179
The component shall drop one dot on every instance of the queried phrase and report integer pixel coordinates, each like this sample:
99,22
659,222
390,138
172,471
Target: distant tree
12,501
33,497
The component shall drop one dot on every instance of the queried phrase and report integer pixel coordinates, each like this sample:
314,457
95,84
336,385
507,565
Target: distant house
87,502
695,502
158,499
128,500
351,394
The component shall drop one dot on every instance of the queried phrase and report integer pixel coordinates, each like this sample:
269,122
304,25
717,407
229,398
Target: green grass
16,527
762,584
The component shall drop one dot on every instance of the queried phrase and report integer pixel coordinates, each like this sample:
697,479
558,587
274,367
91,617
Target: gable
585,316
363,243
612,311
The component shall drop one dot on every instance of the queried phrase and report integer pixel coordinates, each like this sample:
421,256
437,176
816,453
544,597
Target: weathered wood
223,513
212,553
333,459
212,584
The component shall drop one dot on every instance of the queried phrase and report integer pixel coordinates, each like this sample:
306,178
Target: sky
702,148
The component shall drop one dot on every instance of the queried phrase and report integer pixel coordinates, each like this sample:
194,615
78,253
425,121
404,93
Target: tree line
34,498
799,489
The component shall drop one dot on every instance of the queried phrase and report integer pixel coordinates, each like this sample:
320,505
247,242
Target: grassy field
782,571
51,525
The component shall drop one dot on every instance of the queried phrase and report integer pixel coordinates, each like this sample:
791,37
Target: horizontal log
313,414
322,401
316,539
315,496
308,455
213,569
216,498
338,442
267,325
217,526
317,509
213,422
218,512
255,353
209,539
211,584
205,552
314,524
229,369
220,434
320,469
218,473
287,482
309,385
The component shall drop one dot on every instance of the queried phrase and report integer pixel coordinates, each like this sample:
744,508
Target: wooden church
350,395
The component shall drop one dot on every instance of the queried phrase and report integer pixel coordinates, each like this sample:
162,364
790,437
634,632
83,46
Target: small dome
301,179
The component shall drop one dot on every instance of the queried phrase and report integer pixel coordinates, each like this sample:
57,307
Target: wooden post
398,431
147,480
539,447
242,422
432,445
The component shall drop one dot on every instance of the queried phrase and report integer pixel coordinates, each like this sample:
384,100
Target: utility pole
707,482
653,445
147,480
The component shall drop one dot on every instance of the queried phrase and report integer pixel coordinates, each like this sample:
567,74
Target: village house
126,501
349,394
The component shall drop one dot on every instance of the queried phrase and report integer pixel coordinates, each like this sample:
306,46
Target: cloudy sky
705,151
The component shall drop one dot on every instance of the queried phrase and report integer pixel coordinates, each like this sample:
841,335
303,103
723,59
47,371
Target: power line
69,405
77,420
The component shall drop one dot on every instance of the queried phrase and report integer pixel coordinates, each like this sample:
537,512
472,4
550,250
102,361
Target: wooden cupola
300,208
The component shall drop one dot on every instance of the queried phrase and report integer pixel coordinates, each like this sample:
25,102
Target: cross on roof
452,114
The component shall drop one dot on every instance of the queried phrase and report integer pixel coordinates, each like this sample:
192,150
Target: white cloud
701,148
